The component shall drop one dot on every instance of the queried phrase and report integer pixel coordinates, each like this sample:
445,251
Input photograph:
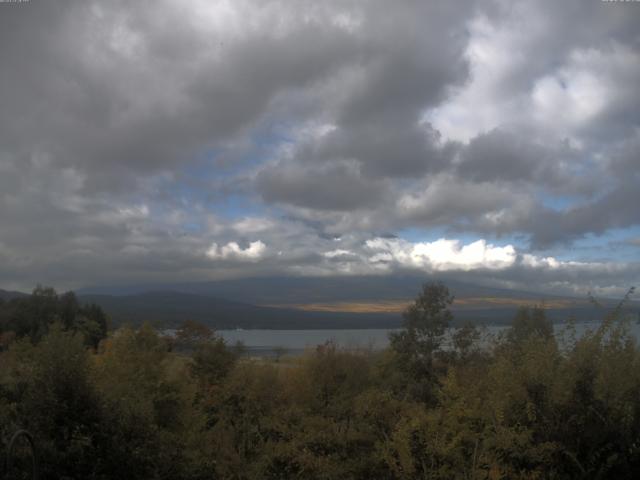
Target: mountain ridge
316,302
260,290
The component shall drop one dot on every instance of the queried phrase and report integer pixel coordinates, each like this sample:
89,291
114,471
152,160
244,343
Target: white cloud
553,264
490,64
516,82
442,255
232,250
133,212
252,225
337,253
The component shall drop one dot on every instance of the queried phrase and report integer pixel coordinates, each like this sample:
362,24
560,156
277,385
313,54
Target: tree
47,389
32,316
212,361
465,341
425,324
192,333
92,322
147,399
530,321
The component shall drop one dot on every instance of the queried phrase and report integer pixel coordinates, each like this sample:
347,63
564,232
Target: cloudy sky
164,141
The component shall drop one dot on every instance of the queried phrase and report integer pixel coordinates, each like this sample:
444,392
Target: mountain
322,302
316,302
8,294
299,290
169,309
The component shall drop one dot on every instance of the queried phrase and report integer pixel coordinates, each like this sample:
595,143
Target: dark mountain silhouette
289,290
169,309
8,294
172,308
316,302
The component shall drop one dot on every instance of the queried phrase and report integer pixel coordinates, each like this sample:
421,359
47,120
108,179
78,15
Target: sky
158,141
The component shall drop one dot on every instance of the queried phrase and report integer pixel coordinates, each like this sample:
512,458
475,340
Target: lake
267,342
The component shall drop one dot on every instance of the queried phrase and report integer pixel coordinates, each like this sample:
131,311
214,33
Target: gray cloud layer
128,131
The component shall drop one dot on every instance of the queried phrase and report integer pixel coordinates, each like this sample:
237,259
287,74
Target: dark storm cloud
336,186
395,75
503,156
104,88
131,131
615,209
389,148
447,200
625,160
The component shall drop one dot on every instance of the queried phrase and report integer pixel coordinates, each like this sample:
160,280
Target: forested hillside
135,405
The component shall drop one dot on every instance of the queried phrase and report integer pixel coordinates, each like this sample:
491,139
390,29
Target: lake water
267,342
295,341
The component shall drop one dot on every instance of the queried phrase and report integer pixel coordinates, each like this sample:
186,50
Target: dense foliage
526,404
32,315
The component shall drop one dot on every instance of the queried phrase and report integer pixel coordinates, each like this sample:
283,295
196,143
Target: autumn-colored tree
523,405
